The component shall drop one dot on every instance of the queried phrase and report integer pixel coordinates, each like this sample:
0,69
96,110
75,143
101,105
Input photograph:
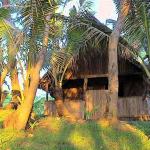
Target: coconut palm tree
37,20
61,57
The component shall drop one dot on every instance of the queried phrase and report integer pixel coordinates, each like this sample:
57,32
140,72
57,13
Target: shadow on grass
91,135
116,139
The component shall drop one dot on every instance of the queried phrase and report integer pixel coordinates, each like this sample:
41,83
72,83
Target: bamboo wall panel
96,102
50,108
132,107
128,107
75,107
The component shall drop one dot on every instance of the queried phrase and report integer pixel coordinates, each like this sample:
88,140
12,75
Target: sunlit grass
58,134
7,136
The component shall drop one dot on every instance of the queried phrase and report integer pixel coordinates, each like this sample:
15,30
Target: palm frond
60,61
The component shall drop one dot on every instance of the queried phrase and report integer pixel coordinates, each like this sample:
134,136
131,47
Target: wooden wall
131,107
128,107
50,108
75,107
97,104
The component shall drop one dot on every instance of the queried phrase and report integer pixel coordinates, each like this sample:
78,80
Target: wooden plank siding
130,107
50,108
96,104
75,107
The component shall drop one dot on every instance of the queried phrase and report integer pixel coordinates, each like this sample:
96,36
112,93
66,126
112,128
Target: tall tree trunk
58,94
113,59
19,119
61,108
16,91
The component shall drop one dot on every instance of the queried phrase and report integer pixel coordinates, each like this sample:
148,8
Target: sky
104,9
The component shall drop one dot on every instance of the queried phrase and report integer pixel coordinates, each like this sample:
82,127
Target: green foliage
7,100
33,125
137,24
75,37
4,13
89,114
73,11
137,31
58,134
38,106
142,125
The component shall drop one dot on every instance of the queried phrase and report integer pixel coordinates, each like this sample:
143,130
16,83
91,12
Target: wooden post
84,93
85,88
46,95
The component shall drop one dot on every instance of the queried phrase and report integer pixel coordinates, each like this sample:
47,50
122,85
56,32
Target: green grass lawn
58,134
142,125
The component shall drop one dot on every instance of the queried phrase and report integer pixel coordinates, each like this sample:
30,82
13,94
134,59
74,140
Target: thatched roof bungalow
88,76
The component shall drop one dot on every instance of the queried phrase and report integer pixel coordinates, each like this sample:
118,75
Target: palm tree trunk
113,59
19,118
16,91
5,2
58,94
61,108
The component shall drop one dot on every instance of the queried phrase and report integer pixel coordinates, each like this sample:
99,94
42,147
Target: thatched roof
87,58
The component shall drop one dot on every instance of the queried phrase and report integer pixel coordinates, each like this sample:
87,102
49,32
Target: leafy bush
39,106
